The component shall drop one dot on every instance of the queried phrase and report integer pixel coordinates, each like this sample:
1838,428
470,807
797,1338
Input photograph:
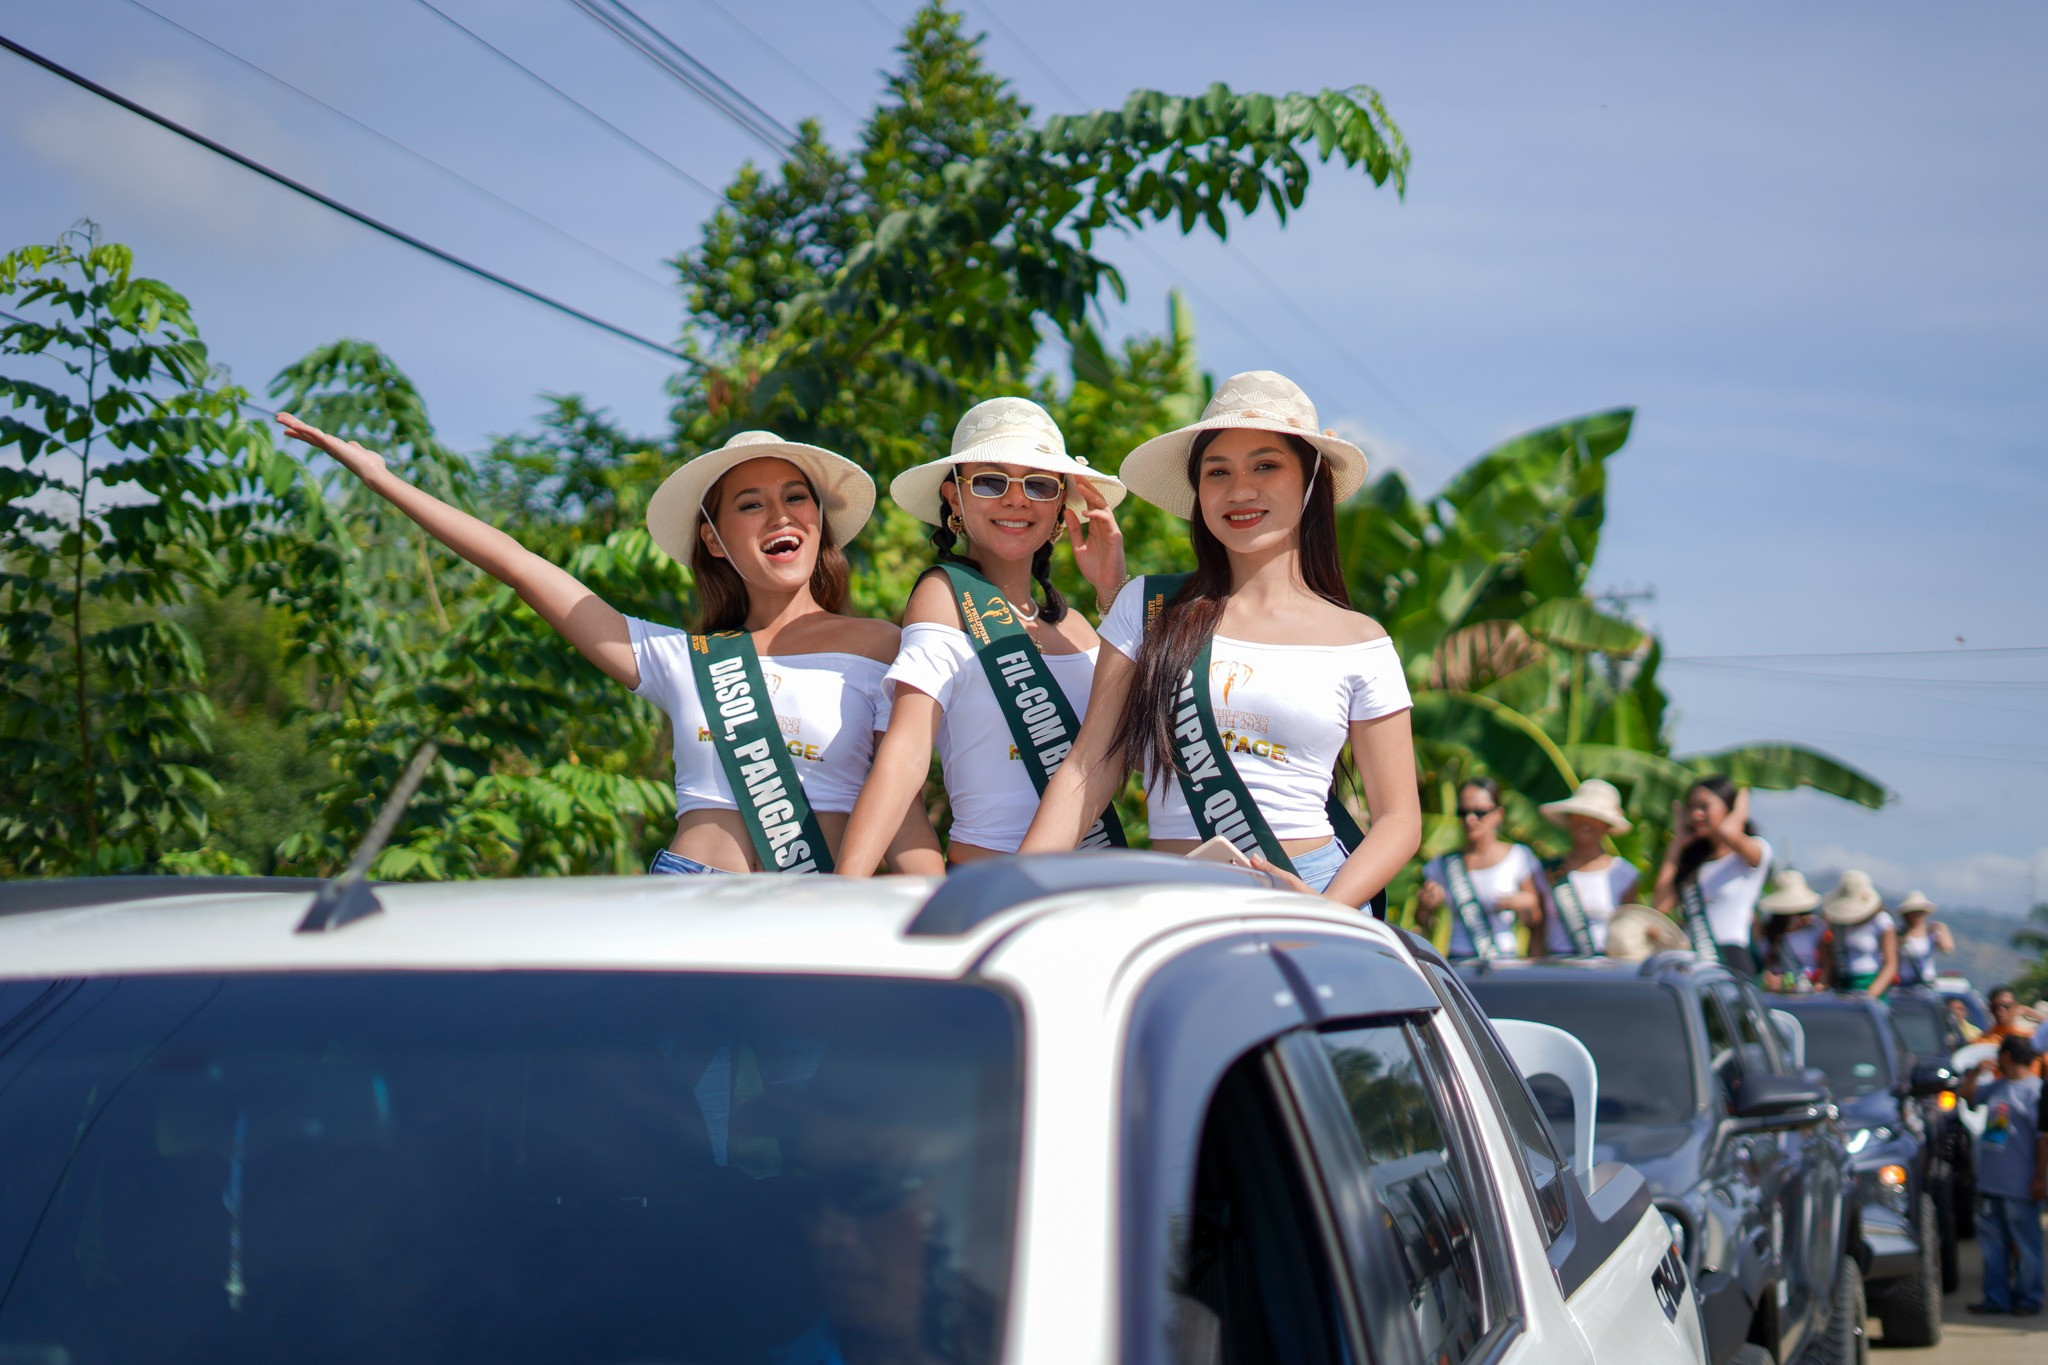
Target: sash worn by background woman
1572,911
1464,899
1217,797
1042,725
748,740
1692,902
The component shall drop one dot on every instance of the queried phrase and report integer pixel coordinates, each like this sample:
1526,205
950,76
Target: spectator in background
1959,1010
1794,941
2012,1162
1713,870
2009,1018
1490,885
1591,883
1921,938
1864,952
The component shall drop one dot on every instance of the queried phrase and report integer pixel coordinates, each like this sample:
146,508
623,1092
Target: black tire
1962,1199
1910,1306
1844,1342
1945,1223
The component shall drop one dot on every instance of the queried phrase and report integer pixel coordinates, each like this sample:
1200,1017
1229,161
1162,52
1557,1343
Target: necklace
1023,615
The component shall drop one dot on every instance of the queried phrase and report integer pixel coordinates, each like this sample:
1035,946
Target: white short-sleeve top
1284,713
1601,893
1490,885
829,707
986,782
1730,886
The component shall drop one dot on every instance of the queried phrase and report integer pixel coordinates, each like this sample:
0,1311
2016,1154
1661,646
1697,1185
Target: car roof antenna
348,897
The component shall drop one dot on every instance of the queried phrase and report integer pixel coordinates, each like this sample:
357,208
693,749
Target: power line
534,218
672,58
744,27
566,97
1860,654
327,201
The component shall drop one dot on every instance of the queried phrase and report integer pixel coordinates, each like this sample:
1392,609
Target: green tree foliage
127,494
2032,984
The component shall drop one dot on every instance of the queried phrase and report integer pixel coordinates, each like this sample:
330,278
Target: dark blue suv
1741,1146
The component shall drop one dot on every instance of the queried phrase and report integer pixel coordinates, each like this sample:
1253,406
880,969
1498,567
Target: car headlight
1863,1137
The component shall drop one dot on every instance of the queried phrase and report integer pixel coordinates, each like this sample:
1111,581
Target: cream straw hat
1853,900
1257,400
1636,931
845,491
1791,896
1594,797
1000,431
1915,900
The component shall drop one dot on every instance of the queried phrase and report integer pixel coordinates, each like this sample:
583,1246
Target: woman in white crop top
1294,672
1003,490
760,522
1507,879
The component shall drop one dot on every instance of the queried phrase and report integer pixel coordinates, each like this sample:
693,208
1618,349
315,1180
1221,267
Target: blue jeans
676,865
2009,1230
1319,866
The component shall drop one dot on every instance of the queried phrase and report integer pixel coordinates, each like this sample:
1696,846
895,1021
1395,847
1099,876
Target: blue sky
1806,242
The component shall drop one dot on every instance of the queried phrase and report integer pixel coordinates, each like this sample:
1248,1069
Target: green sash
751,750
1572,911
1464,899
1216,795
1042,724
1693,904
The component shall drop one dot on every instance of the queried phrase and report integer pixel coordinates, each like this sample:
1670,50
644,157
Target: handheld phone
1217,849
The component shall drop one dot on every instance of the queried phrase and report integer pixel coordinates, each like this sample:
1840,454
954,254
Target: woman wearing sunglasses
995,677
1234,689
1491,885
777,697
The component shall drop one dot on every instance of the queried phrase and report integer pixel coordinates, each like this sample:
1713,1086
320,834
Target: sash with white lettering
1041,722
1572,911
1464,899
755,757
1692,902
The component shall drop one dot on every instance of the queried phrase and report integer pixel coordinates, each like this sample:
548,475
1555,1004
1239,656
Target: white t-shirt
1601,893
986,782
1489,884
1859,949
1730,887
1284,713
829,707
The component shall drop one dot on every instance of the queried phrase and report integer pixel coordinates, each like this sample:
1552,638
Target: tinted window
1757,1052
1845,1044
1535,1145
509,1167
1920,1025
1635,1031
1420,1186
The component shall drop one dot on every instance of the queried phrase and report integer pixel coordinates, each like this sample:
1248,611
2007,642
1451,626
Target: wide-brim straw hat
1853,900
1257,400
1636,931
845,491
1915,901
1791,896
1012,431
1594,797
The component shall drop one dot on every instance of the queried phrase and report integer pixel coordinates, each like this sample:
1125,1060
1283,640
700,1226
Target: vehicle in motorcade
1880,1089
1952,987
1098,1107
1931,1033
1738,1140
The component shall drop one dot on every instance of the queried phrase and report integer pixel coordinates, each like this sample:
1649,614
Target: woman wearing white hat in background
996,678
1713,870
1864,947
1240,684
1794,942
795,683
1591,883
1492,885
1921,937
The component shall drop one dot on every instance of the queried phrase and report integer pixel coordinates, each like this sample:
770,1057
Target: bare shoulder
931,603
866,636
1347,627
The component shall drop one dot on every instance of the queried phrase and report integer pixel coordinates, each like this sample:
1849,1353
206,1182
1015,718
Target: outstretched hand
1283,876
358,459
1098,542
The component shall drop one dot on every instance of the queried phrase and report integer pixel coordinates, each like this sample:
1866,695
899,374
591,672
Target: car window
1845,1044
1920,1025
511,1166
1536,1150
1257,1281
1636,1033
1724,1056
1758,1052
1424,1188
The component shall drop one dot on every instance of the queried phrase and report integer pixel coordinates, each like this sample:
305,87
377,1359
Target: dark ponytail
1053,607
1145,730
1694,853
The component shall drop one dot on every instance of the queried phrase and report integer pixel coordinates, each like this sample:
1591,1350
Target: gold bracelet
1102,603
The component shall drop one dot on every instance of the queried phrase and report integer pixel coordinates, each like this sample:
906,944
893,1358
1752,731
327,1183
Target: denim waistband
1318,866
676,865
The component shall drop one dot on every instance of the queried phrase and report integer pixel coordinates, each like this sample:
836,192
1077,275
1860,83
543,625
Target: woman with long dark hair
1713,870
1235,689
776,698
996,677
1492,885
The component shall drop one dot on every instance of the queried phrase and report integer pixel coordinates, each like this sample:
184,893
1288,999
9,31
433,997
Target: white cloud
1423,471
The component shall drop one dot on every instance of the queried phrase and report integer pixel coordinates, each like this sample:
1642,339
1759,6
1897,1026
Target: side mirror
1766,1098
1931,1078
1792,1034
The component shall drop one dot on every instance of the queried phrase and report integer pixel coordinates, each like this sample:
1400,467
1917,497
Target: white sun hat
1636,931
1791,896
1853,900
844,489
1257,400
1001,431
1596,798
1915,900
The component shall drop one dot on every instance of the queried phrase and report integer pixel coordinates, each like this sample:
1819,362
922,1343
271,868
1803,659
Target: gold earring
1059,533
955,525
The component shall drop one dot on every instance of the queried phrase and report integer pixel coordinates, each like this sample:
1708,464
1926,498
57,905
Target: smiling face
768,523
1012,526
1249,486
1586,832
1704,811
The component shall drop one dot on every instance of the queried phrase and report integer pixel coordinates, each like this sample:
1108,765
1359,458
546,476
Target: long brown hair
1168,650
722,601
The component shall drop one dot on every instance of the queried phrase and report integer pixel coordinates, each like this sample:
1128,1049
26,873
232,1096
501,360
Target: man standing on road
2012,1163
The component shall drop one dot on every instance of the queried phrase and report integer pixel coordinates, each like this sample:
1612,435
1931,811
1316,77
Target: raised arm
1091,774
584,619
1735,831
1384,749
